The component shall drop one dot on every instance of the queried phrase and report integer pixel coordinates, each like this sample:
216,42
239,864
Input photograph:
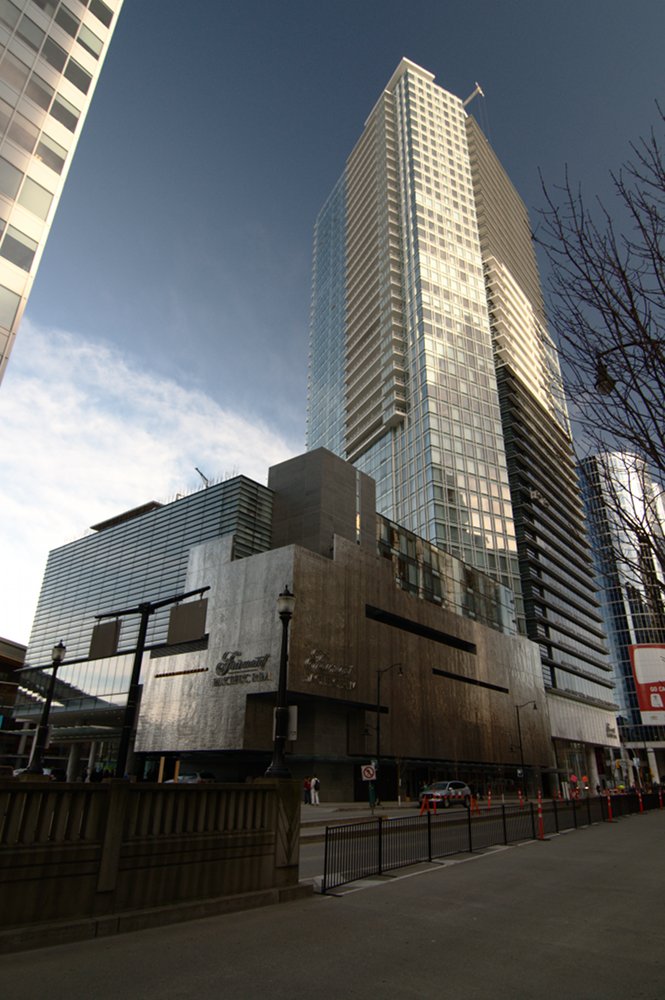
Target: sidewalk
579,915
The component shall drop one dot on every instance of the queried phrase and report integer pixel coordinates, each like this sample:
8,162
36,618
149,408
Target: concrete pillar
92,759
74,762
592,770
653,765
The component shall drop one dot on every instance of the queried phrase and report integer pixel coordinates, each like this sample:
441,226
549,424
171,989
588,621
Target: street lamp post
519,737
278,769
37,761
379,675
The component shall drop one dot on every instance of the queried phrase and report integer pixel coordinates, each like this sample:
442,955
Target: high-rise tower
51,54
432,370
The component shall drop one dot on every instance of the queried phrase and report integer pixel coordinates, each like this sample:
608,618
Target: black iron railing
372,847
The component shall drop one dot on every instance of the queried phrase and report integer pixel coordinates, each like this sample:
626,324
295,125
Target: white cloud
84,436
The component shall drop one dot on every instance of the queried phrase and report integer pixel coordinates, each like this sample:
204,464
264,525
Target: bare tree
607,308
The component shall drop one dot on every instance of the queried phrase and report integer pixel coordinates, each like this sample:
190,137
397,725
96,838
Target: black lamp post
519,736
278,769
37,761
379,675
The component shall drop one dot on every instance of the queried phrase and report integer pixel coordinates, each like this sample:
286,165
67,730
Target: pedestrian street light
278,769
36,765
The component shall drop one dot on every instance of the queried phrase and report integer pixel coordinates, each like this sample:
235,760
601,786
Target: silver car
444,794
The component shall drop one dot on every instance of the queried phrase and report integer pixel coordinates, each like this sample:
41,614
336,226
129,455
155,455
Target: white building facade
51,55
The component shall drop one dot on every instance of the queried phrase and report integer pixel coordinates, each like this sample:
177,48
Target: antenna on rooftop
204,478
477,92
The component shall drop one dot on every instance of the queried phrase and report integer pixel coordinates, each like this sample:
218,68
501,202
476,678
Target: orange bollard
609,807
660,798
519,792
639,796
489,799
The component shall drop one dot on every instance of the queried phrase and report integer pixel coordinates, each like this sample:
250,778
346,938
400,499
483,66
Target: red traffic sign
368,772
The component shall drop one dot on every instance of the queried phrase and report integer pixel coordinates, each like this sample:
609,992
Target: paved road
578,917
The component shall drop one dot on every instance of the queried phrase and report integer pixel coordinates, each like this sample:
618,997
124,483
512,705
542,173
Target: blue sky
181,252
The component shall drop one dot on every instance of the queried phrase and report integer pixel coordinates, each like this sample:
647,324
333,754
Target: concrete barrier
81,852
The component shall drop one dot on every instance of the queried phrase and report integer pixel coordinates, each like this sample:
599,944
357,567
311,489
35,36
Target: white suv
445,793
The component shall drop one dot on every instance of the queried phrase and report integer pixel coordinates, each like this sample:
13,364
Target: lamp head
58,652
285,603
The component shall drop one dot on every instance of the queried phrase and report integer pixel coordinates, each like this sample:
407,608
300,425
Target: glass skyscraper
432,370
51,55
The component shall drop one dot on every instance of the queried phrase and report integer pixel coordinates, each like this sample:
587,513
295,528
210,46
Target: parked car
198,778
444,794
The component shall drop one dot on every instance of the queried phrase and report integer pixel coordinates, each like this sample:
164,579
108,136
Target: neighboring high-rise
431,369
627,524
51,54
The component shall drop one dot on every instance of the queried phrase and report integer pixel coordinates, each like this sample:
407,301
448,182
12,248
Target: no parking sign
368,772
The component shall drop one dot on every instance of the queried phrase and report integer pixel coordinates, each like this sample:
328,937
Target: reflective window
39,91
14,72
18,248
65,113
23,132
9,13
30,33
78,76
48,6
5,114
35,198
8,306
54,54
67,21
90,42
101,11
10,178
51,153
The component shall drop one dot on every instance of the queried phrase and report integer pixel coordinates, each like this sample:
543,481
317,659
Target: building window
89,41
65,113
35,198
39,91
14,72
101,12
10,178
23,132
9,302
48,6
78,76
67,21
9,13
18,248
54,54
30,33
51,153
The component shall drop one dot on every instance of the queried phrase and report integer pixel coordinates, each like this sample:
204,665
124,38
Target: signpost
368,773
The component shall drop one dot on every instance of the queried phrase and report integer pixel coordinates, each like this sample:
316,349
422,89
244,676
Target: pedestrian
315,784
307,790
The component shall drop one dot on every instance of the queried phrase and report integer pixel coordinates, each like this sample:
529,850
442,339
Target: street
579,915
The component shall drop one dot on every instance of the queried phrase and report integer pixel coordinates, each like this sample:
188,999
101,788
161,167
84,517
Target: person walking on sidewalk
314,790
307,790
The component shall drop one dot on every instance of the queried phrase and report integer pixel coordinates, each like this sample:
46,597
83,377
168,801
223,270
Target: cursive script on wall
231,669
320,670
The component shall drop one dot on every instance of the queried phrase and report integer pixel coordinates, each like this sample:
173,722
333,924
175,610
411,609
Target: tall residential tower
51,54
432,370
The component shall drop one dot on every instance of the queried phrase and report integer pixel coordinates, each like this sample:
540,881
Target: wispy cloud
84,435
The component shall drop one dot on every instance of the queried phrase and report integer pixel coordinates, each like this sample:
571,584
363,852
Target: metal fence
375,846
